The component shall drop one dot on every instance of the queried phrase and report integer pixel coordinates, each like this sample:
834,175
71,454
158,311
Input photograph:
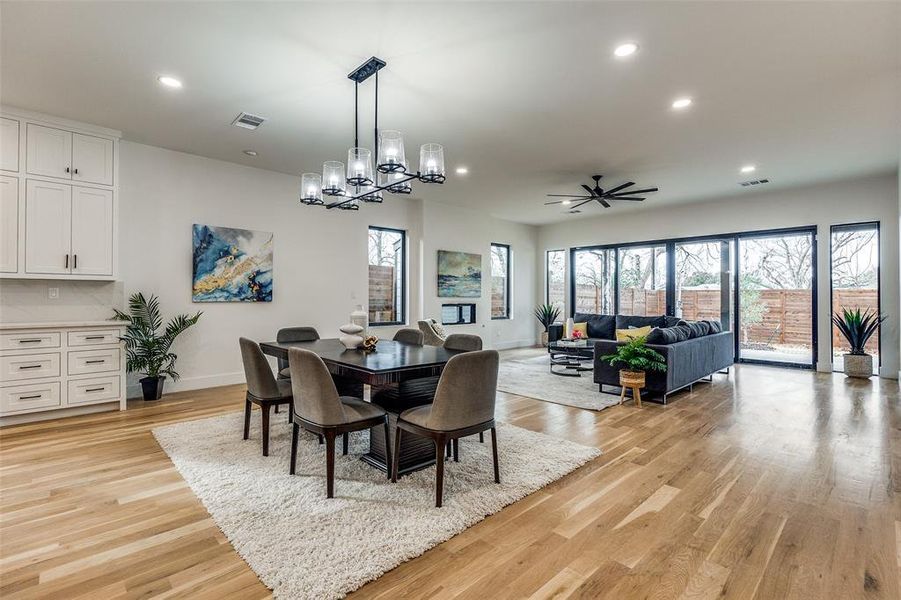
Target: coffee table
571,358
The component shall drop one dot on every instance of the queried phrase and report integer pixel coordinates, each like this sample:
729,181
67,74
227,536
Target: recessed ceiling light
748,169
680,103
566,202
462,170
250,152
627,49
168,81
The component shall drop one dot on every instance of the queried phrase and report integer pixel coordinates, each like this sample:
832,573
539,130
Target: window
387,276
555,276
642,281
500,281
593,273
854,258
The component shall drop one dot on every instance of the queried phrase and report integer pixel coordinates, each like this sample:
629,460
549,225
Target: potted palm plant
636,359
147,350
547,315
857,328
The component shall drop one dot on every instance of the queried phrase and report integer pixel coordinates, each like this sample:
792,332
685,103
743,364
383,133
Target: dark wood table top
391,362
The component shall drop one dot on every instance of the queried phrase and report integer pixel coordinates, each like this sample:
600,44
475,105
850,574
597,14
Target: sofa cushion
625,335
672,321
715,326
669,335
601,327
626,321
698,329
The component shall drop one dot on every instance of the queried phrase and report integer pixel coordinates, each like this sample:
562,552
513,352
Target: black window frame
403,276
507,279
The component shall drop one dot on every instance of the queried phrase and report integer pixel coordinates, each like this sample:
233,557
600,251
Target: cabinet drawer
96,389
94,337
22,398
29,366
82,362
28,341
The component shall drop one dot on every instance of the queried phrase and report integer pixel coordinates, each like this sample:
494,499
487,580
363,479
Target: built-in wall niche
458,314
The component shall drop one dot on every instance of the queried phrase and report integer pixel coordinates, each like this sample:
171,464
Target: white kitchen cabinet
9,144
92,159
92,231
9,224
48,152
48,227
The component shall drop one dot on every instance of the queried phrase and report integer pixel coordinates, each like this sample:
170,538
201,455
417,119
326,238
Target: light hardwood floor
770,483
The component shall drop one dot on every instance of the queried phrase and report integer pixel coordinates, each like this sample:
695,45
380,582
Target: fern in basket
636,356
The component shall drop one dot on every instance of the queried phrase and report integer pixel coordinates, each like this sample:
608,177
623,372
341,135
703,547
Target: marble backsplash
28,300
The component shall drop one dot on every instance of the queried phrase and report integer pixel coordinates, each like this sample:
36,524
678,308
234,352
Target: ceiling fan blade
568,195
602,201
590,191
618,188
644,191
580,204
632,199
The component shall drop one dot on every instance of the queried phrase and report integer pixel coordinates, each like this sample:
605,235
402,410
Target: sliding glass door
776,311
593,280
854,263
703,289
641,288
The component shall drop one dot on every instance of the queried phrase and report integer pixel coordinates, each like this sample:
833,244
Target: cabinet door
92,159
48,227
92,231
9,144
9,224
48,151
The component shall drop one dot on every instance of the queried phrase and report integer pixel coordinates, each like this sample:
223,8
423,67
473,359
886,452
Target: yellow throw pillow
582,327
625,335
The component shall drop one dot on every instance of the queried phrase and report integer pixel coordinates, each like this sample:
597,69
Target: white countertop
60,325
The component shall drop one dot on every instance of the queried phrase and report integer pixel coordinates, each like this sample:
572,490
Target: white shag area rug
531,377
303,545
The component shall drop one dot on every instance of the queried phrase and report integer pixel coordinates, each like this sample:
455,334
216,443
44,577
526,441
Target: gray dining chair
318,408
463,341
287,335
263,389
464,405
408,335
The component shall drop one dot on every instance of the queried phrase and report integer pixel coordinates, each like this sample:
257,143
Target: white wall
320,257
866,199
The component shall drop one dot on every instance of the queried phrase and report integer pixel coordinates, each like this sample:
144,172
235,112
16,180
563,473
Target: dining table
400,375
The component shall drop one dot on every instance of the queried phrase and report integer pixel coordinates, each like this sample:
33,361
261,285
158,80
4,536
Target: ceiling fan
620,192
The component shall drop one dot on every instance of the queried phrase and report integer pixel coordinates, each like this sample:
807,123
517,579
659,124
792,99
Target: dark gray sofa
687,361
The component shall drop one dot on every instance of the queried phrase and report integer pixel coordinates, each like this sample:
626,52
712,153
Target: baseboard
515,344
72,411
186,384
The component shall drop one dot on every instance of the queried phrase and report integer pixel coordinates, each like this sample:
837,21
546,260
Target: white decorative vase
858,365
351,338
568,328
361,318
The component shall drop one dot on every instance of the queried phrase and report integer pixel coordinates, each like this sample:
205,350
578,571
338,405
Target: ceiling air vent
248,121
753,182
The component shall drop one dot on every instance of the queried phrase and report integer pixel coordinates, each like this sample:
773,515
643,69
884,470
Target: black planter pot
153,387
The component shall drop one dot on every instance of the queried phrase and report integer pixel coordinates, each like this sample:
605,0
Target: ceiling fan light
333,183
391,152
359,166
311,189
431,163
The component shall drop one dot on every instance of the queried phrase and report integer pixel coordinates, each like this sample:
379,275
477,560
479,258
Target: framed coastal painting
459,274
231,265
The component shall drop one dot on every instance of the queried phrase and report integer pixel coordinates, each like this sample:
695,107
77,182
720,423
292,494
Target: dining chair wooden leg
265,410
276,409
388,455
247,407
396,458
330,464
295,433
449,449
456,447
439,470
497,472
481,437
321,439
345,443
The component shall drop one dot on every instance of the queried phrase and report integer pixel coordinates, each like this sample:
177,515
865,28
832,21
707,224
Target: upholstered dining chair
464,405
463,341
293,334
408,335
263,389
319,408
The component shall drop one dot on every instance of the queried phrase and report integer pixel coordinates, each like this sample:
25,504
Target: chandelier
358,181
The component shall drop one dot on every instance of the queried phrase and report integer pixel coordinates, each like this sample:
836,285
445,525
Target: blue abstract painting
232,265
459,274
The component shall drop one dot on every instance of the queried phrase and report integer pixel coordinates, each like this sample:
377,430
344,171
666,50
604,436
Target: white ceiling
528,96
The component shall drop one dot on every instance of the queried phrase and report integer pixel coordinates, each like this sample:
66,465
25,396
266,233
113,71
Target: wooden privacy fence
785,315
381,293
